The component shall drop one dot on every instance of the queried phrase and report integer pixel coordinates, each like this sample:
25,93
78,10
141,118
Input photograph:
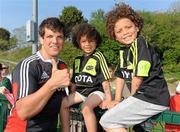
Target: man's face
52,43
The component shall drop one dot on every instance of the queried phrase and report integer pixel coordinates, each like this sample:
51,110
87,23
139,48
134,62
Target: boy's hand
105,104
113,103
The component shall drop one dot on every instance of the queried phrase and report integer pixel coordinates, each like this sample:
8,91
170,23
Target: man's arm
31,105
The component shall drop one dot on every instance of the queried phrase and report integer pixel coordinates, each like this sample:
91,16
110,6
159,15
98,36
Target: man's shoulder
32,58
28,62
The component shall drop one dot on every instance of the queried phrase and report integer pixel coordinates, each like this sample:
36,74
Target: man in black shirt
38,83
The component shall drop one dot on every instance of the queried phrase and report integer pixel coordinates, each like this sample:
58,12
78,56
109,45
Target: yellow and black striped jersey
89,72
140,59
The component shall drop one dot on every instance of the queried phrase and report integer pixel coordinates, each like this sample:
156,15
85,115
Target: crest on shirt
44,75
90,67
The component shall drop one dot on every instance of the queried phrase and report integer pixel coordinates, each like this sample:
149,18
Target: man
5,81
38,83
5,71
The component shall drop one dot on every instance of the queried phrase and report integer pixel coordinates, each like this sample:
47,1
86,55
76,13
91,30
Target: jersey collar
39,54
47,60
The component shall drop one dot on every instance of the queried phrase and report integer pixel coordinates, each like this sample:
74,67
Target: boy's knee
86,109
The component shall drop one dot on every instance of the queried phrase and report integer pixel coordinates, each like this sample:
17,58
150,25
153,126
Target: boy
90,77
140,67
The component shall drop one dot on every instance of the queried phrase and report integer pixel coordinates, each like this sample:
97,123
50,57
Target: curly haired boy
138,66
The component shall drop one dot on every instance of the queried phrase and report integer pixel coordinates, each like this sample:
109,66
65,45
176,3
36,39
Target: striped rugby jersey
29,76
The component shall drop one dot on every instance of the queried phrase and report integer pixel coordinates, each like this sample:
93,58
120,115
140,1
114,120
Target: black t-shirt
89,72
30,75
140,59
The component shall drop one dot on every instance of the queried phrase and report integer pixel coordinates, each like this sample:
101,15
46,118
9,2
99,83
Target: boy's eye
119,31
92,41
128,27
83,41
49,36
61,37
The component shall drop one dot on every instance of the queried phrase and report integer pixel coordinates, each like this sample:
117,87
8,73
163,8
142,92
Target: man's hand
59,78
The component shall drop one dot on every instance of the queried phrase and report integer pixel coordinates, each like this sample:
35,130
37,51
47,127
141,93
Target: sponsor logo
126,74
44,75
90,67
83,78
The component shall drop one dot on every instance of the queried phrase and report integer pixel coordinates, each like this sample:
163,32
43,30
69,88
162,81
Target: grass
172,77
13,57
16,55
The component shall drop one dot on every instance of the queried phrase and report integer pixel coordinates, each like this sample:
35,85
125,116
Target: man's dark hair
53,24
85,29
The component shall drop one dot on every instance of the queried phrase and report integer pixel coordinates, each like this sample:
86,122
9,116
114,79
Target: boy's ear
137,29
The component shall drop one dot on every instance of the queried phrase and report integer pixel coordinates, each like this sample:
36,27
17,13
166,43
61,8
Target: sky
15,13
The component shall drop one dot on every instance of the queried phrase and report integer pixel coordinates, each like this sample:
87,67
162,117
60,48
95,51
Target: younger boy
90,77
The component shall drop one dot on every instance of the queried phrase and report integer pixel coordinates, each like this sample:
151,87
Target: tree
98,20
71,16
12,42
162,31
69,53
4,44
110,49
5,41
4,34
